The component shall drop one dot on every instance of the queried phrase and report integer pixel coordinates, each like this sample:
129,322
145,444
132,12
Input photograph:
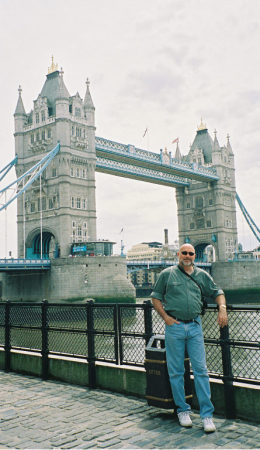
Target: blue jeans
191,335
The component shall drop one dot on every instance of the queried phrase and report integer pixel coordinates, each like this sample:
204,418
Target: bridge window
43,135
37,118
32,207
72,202
71,172
70,108
79,230
77,172
200,223
50,111
83,173
188,205
49,133
32,138
51,203
199,202
209,223
43,116
210,202
78,132
84,203
77,112
78,203
228,223
43,205
72,131
54,172
192,225
37,137
73,224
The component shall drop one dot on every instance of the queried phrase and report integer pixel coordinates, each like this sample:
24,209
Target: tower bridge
57,154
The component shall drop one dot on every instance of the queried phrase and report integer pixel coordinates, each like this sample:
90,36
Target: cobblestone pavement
49,414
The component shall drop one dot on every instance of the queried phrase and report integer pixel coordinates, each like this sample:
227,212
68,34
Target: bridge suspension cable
252,225
25,180
7,168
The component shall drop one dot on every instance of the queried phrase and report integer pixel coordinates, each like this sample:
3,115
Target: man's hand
222,317
170,320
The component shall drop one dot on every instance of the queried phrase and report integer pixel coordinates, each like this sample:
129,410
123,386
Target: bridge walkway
50,414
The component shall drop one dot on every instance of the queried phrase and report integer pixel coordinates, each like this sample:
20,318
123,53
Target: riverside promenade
50,414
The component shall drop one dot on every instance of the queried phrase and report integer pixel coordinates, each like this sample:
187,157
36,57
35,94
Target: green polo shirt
180,296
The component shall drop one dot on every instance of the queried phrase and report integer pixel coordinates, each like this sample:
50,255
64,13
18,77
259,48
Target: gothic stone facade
206,211
67,195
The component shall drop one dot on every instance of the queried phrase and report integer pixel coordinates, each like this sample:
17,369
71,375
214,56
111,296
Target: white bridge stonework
64,200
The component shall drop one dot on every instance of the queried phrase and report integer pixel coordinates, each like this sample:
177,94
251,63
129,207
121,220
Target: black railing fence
118,334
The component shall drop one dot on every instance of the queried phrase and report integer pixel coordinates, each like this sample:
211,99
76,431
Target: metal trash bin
158,388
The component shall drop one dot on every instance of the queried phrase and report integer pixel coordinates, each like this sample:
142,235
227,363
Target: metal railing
118,334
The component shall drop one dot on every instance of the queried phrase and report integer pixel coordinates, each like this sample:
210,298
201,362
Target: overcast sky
161,64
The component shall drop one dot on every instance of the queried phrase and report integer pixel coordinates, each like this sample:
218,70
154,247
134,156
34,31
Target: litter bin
158,388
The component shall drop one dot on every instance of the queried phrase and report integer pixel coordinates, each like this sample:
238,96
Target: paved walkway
48,414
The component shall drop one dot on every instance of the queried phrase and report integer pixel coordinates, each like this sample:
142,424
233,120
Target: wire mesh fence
118,334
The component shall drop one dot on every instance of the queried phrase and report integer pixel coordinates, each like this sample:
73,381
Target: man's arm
160,309
222,310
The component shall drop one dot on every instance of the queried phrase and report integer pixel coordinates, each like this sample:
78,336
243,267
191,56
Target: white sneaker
208,425
184,419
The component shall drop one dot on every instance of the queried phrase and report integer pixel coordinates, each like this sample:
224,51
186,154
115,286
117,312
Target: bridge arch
205,252
47,244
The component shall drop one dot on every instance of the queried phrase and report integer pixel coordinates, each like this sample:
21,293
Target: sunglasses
188,253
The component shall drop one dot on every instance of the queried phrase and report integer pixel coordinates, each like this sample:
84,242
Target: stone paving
49,414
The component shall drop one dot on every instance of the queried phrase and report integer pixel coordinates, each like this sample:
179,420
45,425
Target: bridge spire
178,152
229,148
216,145
88,103
19,107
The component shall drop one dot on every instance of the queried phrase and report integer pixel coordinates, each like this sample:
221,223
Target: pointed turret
204,142
89,106
19,110
20,116
54,88
216,146
178,153
88,103
229,148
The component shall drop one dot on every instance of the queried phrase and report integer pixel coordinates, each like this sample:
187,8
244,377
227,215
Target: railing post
116,339
91,345
7,345
120,342
148,320
45,344
230,407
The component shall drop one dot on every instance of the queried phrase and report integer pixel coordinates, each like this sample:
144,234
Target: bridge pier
71,279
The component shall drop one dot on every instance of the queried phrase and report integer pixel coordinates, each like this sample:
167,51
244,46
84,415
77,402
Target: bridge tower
58,209
206,211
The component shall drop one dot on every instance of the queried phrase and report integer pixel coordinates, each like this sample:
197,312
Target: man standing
177,297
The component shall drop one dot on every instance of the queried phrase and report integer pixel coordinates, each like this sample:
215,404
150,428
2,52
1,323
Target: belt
180,320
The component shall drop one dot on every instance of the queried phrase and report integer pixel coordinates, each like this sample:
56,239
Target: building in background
150,251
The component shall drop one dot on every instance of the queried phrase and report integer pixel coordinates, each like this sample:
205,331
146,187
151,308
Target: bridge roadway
131,162
14,264
50,414
134,265
25,264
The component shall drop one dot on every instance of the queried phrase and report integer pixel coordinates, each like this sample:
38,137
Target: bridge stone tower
206,211
63,211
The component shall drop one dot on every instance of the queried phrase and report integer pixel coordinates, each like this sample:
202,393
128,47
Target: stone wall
102,278
237,274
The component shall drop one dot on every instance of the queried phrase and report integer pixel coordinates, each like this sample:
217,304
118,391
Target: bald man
178,300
